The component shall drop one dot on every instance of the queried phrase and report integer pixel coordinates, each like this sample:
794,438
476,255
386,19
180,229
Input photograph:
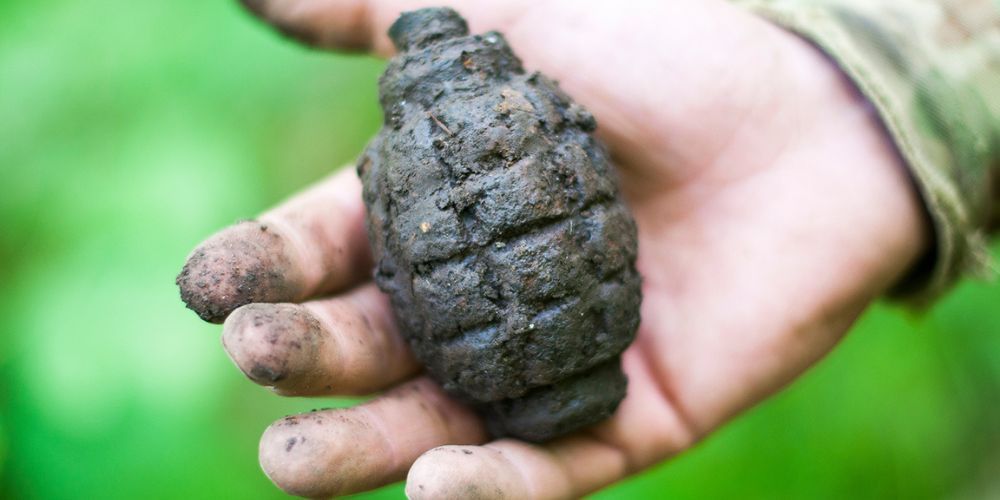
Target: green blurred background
131,130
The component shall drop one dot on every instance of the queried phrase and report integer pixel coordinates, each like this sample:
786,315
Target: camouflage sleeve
932,70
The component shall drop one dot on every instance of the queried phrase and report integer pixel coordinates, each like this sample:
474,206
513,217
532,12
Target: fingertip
289,452
275,345
463,472
241,264
342,25
325,453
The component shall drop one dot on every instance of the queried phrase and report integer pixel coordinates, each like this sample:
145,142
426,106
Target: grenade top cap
420,28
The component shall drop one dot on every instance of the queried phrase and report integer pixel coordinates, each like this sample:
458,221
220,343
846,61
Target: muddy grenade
498,232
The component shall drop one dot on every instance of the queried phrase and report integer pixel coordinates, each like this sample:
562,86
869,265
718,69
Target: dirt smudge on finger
242,264
275,345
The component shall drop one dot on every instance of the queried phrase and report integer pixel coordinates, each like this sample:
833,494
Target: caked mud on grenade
498,231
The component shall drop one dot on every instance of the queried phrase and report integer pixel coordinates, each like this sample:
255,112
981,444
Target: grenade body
498,232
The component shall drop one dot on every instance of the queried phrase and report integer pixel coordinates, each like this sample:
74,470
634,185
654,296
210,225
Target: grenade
498,231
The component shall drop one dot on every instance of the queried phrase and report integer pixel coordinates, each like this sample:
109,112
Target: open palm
771,211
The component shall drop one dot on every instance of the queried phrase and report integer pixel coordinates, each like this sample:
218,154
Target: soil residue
498,231
242,264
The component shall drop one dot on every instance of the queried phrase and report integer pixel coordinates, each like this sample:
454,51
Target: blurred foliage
129,131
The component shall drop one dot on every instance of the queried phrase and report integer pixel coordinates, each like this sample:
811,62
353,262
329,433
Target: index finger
621,61
312,244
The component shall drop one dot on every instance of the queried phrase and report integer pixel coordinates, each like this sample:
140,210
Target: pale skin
772,210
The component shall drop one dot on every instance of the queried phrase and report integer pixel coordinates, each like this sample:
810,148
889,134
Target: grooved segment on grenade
498,232
460,294
558,409
535,345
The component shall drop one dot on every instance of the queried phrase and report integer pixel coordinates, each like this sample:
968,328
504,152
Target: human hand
771,210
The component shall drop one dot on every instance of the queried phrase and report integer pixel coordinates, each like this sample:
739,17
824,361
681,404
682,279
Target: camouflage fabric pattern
932,70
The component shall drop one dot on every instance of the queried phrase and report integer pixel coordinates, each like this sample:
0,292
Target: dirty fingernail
244,263
275,345
325,453
462,472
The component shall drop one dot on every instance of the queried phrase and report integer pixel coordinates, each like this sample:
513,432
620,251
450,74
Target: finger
645,430
507,468
313,243
362,24
337,452
347,345
627,65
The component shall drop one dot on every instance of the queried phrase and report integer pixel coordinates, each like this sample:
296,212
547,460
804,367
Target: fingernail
239,265
460,472
293,453
323,454
274,345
